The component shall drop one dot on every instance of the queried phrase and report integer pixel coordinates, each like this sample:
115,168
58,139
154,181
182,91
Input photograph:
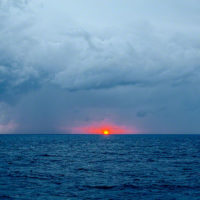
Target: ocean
124,167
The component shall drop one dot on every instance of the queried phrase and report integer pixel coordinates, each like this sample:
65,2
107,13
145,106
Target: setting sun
102,128
106,132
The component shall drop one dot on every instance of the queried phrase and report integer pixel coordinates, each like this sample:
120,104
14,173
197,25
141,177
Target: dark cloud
56,69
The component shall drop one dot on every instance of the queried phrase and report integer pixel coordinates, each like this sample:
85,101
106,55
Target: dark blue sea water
59,167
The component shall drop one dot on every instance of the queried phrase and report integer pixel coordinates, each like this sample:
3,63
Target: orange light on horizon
106,132
102,128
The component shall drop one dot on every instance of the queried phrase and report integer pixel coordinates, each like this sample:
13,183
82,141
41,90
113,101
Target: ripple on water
94,167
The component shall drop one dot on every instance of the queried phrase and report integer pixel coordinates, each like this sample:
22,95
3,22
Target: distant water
62,167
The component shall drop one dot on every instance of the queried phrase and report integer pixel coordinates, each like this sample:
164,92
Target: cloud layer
66,62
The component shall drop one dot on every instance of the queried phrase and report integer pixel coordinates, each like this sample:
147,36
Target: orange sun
106,132
102,128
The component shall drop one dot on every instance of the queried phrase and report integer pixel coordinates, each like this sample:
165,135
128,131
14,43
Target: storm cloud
134,63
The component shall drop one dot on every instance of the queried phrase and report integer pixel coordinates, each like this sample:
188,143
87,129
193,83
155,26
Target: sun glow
103,128
106,132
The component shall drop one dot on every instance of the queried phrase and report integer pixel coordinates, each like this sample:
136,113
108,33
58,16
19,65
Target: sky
69,64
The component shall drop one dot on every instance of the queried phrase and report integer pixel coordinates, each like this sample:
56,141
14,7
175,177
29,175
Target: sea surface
62,167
